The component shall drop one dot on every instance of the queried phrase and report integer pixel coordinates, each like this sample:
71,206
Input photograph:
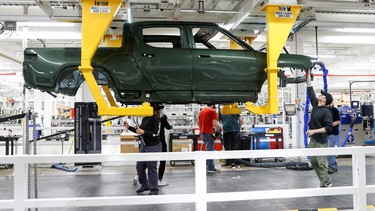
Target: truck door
219,70
163,54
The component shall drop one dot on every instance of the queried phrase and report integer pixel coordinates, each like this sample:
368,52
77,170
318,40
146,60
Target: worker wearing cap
149,130
319,125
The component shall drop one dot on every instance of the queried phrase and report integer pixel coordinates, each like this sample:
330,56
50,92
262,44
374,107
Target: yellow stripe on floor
370,206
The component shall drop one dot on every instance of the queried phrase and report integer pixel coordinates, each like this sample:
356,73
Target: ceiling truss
244,17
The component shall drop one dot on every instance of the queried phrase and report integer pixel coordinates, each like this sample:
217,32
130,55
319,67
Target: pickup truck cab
164,62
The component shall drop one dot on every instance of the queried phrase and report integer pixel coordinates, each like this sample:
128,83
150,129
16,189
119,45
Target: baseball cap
328,96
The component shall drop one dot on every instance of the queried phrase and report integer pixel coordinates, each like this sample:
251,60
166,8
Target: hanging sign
284,14
100,9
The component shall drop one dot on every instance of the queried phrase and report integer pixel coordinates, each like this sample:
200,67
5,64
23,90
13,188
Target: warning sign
100,9
283,14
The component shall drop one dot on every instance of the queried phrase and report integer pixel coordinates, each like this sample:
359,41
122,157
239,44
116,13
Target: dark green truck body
184,67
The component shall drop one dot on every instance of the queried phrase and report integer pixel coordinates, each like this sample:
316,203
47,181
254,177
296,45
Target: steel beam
249,8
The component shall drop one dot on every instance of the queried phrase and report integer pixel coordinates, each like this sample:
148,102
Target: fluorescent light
49,24
354,68
211,11
324,56
221,11
364,64
239,21
129,15
359,30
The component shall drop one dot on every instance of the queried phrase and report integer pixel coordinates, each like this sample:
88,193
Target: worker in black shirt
150,133
164,125
319,125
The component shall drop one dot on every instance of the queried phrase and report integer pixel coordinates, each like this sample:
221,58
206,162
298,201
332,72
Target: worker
208,123
319,125
231,130
164,125
149,130
332,136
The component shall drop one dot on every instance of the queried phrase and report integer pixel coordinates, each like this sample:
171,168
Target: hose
307,103
296,165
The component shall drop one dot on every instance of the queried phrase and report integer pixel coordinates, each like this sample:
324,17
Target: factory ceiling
339,32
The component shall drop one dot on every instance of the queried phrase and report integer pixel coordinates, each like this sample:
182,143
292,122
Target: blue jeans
209,141
151,181
331,158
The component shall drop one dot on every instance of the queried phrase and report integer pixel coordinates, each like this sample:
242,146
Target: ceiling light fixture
359,30
324,56
129,15
47,24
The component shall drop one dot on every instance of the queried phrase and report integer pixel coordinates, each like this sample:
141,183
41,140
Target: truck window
162,37
212,38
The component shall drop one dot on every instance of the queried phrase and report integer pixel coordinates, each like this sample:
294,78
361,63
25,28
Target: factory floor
118,181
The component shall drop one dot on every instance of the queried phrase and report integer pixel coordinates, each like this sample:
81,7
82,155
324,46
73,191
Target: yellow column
231,109
97,15
234,45
280,20
248,40
110,98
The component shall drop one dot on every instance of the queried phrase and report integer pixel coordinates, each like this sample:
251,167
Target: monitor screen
290,109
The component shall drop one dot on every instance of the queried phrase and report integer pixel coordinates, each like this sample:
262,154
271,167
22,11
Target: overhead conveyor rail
96,18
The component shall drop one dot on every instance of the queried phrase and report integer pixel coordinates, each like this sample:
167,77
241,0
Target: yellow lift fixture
96,18
231,109
280,20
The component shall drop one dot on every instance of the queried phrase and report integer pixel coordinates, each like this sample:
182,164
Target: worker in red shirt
208,122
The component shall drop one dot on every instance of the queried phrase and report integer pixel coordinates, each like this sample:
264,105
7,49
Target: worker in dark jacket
319,125
164,125
149,130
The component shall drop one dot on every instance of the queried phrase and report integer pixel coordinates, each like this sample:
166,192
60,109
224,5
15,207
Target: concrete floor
117,181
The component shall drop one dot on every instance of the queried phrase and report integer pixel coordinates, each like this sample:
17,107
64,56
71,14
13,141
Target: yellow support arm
112,40
110,98
231,109
280,20
234,45
97,15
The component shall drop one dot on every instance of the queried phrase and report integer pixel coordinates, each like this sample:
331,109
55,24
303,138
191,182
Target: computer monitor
290,109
